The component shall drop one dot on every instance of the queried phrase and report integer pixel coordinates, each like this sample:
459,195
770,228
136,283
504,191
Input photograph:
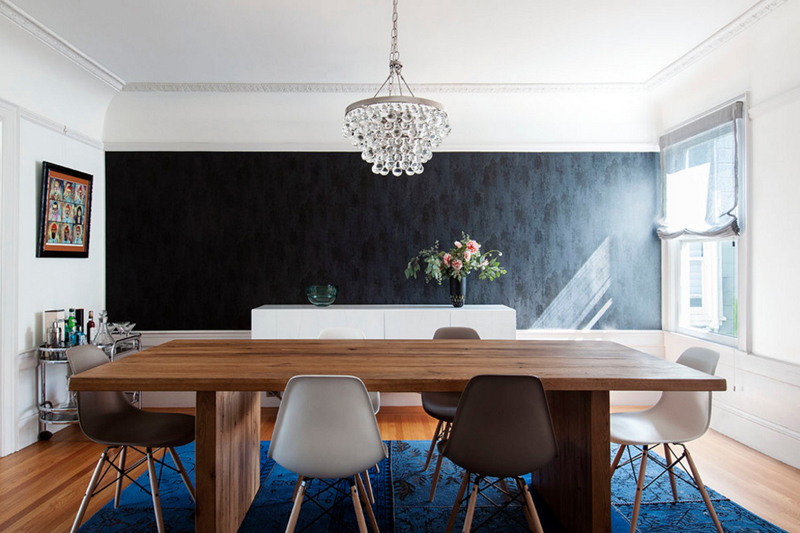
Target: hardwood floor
42,485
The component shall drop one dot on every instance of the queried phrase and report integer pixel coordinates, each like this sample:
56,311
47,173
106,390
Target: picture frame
65,212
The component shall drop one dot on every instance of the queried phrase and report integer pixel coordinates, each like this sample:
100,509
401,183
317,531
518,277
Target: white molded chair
677,418
351,333
326,430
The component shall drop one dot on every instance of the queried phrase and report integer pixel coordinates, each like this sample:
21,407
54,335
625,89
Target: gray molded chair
502,429
326,429
442,405
109,418
678,417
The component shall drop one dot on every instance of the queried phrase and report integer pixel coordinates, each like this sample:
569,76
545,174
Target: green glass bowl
322,295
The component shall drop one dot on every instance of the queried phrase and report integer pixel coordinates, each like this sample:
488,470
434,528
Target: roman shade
701,171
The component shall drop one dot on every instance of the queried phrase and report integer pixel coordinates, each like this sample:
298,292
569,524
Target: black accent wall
195,240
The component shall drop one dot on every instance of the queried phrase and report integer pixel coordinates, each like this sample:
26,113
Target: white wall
764,60
61,110
552,121
39,79
52,283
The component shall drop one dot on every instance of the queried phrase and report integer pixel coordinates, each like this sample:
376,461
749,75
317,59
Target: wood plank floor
42,485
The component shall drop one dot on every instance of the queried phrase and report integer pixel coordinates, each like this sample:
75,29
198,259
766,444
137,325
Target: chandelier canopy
397,132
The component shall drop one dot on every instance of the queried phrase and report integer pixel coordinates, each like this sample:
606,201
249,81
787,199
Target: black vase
458,291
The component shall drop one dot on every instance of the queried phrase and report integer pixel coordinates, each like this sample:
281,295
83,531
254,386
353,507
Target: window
702,174
708,288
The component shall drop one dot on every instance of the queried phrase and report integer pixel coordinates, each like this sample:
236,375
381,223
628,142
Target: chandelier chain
394,55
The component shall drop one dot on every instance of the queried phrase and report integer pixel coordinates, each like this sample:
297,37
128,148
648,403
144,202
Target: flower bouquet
456,264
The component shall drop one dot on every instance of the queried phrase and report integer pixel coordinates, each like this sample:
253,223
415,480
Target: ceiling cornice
728,32
59,44
372,88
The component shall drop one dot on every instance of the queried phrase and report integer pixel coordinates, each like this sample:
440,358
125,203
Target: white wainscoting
650,342
759,408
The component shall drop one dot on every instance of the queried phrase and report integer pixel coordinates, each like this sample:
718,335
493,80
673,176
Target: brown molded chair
109,418
442,405
502,429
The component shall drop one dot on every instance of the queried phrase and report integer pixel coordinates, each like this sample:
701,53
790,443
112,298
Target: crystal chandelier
397,132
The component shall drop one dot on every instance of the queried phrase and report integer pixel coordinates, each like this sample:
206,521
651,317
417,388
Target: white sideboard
381,321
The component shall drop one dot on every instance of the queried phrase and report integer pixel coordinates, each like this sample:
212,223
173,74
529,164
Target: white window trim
671,257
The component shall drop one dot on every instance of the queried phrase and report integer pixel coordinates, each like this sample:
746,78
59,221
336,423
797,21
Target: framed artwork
65,213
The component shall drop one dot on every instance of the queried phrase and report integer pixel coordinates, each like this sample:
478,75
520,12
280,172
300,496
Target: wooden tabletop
390,365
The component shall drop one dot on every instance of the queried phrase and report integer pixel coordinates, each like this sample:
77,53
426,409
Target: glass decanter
103,339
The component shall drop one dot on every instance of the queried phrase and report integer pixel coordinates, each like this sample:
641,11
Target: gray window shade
701,171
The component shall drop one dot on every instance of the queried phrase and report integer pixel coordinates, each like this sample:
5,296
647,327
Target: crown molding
59,44
372,88
728,32
345,146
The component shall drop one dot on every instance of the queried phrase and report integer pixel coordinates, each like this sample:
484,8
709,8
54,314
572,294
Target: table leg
577,484
227,472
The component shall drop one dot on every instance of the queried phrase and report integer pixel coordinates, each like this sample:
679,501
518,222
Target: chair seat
441,405
375,400
135,427
646,427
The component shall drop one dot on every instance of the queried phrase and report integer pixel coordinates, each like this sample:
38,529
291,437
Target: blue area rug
401,490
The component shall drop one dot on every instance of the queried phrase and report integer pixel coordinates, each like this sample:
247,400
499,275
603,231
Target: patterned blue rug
401,490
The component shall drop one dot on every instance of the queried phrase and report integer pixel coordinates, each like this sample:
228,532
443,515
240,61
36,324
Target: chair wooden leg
434,440
182,471
473,499
297,487
120,477
703,492
298,502
368,483
88,496
454,513
365,500
531,523
617,458
362,524
151,469
377,469
668,457
537,524
637,502
435,478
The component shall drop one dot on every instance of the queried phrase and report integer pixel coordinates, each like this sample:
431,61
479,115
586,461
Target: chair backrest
456,333
689,410
341,333
95,407
502,427
326,428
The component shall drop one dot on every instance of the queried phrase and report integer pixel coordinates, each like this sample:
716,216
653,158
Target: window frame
671,255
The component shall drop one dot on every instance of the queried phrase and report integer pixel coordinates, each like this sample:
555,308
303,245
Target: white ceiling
347,41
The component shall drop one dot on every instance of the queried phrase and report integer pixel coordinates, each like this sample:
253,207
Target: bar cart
67,412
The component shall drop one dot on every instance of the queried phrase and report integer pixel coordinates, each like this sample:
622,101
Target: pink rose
458,244
473,246
446,259
457,264
467,255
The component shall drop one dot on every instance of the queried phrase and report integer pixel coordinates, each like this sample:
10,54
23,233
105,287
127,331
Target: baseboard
771,439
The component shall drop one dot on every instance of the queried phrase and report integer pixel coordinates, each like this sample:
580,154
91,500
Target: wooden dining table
228,375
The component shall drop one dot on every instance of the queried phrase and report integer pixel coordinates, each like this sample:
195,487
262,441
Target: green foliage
464,258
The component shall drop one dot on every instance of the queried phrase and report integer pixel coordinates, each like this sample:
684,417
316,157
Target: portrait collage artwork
66,203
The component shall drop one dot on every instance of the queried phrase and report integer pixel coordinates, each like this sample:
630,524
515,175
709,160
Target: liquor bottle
89,327
69,334
79,314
